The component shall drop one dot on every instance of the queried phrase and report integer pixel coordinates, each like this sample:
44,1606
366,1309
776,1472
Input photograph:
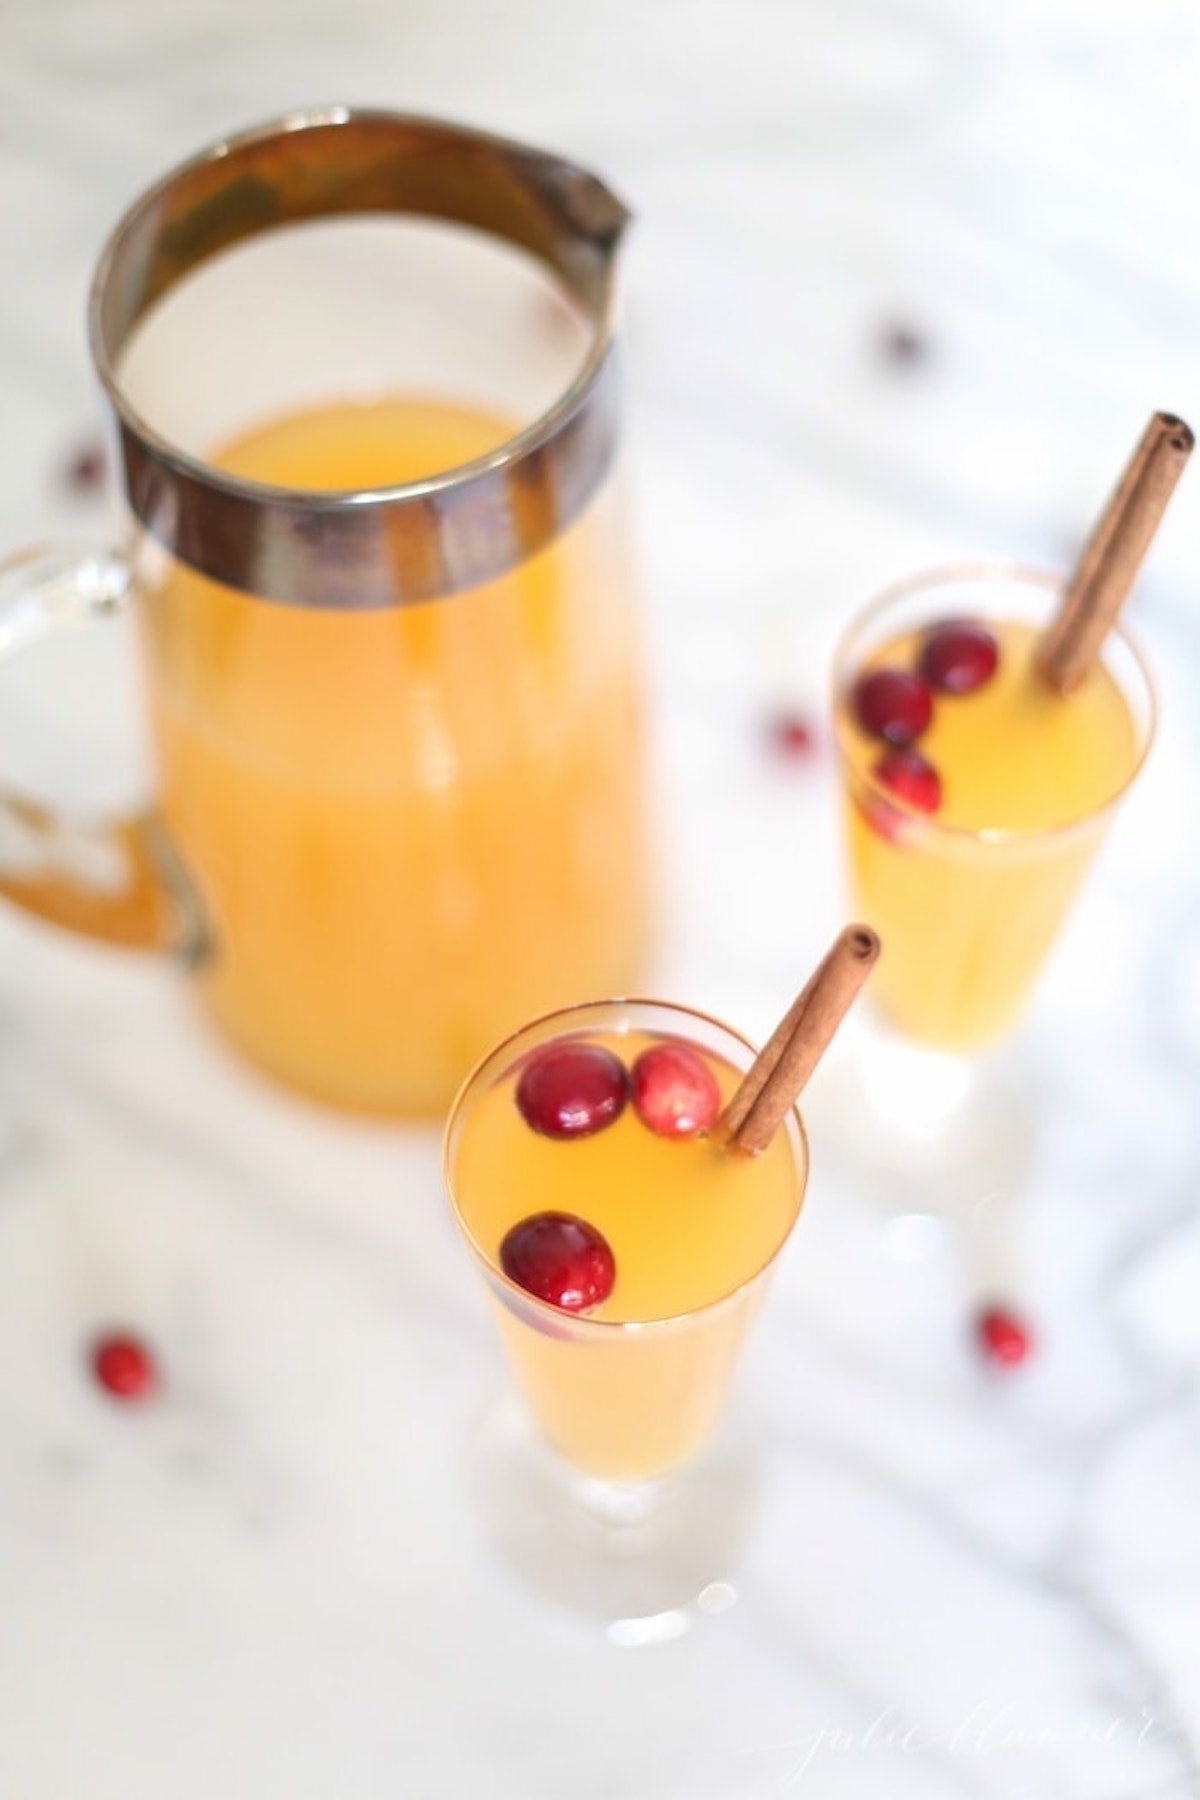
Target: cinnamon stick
779,1072
1114,552
755,1079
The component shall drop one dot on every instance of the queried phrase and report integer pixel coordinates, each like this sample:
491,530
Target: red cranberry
124,1367
84,471
560,1259
792,736
959,657
570,1089
902,343
1003,1337
893,705
911,777
675,1093
885,821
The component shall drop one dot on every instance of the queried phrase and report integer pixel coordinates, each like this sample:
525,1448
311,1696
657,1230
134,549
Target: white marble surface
272,1585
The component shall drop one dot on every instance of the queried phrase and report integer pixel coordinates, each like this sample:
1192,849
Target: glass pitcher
360,369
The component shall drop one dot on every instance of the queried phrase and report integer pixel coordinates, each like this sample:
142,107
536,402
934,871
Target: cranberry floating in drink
559,1259
675,1092
959,657
571,1089
893,705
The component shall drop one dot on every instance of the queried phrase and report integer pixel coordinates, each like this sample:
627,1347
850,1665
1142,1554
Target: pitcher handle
120,880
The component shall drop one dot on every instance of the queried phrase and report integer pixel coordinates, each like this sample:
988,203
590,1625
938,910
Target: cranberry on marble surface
84,469
124,1366
1003,1337
792,736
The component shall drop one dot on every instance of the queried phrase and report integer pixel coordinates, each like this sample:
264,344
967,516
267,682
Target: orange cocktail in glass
687,1232
974,796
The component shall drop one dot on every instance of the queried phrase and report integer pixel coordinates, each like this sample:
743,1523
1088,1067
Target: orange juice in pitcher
410,820
361,372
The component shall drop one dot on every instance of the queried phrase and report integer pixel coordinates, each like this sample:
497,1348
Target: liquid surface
368,444
686,1221
1015,756
410,827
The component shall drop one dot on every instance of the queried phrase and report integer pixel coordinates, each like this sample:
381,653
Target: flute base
643,1560
925,1135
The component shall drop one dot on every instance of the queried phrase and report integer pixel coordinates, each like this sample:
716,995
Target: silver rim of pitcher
373,548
